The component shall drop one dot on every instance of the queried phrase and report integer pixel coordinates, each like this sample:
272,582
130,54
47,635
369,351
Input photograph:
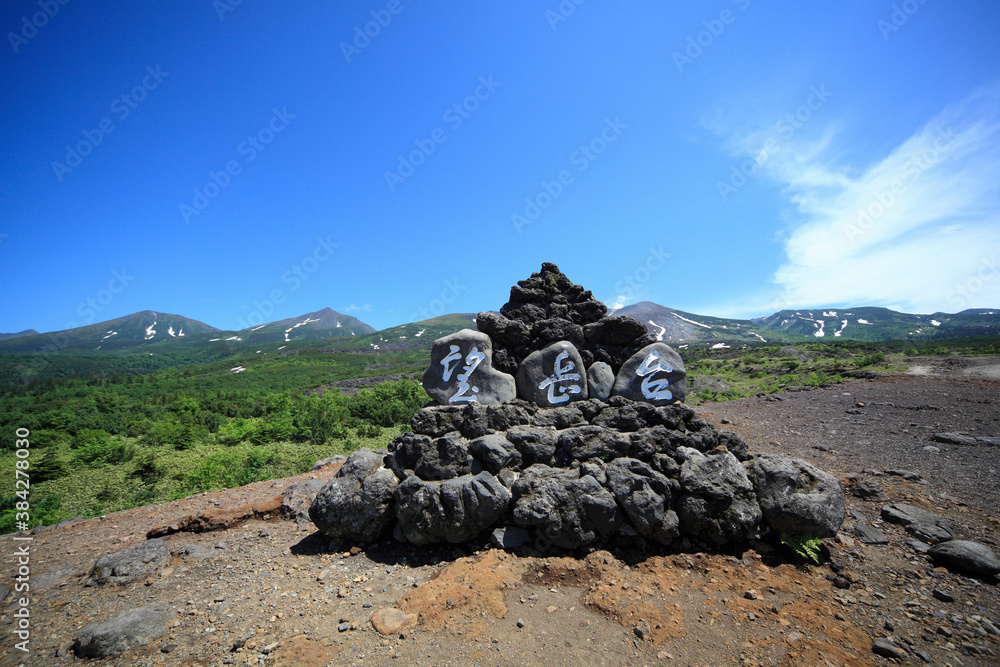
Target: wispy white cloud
354,308
918,230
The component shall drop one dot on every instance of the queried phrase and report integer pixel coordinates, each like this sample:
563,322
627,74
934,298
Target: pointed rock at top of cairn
547,308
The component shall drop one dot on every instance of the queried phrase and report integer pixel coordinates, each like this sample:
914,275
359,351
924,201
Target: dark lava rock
454,510
887,649
121,567
137,627
870,535
867,489
718,504
357,504
548,307
922,524
797,497
646,497
600,380
566,510
966,557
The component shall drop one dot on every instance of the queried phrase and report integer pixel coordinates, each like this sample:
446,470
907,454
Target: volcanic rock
552,376
357,504
796,497
461,371
121,567
655,374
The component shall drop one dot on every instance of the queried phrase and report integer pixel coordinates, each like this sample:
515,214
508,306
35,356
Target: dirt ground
266,592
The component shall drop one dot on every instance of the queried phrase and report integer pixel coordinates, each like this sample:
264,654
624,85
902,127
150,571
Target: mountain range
669,325
861,324
149,326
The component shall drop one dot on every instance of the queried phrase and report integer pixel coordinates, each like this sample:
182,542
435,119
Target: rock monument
556,425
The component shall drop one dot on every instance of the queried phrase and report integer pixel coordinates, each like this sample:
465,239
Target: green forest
106,444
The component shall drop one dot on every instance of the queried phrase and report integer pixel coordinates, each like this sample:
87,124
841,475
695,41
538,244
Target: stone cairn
558,426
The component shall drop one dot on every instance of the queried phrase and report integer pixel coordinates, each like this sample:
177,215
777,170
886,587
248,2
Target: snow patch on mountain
663,330
690,321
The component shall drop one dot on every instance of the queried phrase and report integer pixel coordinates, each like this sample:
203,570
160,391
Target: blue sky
251,162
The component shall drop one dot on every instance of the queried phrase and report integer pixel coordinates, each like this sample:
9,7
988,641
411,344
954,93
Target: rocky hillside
326,323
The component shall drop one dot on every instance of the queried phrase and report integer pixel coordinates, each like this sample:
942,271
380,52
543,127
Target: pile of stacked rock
556,425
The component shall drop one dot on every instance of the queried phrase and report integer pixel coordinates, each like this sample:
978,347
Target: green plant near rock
806,546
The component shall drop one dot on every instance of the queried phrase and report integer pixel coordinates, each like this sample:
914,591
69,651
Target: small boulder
552,376
445,458
567,511
600,380
495,452
718,503
121,567
298,498
357,504
796,497
655,374
536,445
129,630
907,515
966,557
389,621
585,442
646,496
869,535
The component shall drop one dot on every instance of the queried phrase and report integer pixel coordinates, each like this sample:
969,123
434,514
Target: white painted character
653,389
472,361
562,374
454,355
